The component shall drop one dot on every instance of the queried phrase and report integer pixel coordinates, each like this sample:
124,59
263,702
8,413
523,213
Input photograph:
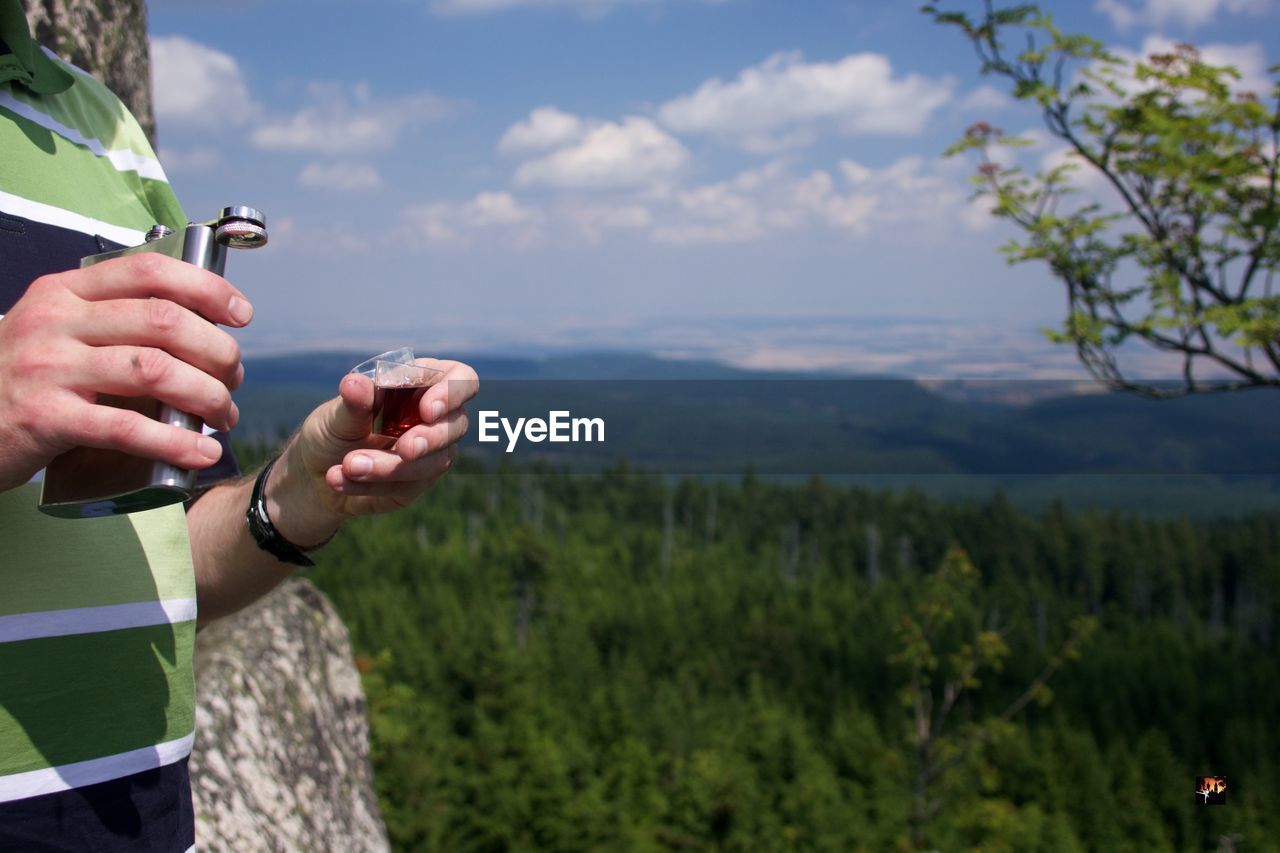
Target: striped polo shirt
97,616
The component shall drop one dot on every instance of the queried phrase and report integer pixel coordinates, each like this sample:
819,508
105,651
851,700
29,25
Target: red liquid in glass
399,410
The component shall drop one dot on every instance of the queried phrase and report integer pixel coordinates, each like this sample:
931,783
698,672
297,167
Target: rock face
281,758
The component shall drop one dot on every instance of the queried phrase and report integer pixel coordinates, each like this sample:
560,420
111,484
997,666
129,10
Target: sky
757,181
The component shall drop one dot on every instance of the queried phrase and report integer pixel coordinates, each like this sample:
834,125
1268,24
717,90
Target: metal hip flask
87,482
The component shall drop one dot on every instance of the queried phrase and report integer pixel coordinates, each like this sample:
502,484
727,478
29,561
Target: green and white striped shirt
97,616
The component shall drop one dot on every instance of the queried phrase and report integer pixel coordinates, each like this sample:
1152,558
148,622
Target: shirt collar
21,58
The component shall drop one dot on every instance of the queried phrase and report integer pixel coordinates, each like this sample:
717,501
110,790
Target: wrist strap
261,528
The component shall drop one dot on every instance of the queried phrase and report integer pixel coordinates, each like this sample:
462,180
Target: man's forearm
232,571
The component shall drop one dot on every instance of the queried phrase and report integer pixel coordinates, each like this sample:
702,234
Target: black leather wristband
263,531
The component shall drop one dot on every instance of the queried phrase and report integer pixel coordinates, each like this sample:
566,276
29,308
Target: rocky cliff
281,758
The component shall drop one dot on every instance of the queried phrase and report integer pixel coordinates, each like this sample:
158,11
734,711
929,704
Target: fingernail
437,409
420,448
209,448
240,310
360,466
235,415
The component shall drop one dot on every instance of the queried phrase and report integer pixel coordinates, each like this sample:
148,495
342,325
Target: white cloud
625,216
747,207
497,208
494,213
344,120
199,159
852,211
786,95
985,99
914,200
344,176
630,154
1188,13
197,86
713,214
912,197
593,221
979,215
546,127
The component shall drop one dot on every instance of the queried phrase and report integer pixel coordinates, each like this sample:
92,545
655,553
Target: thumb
350,417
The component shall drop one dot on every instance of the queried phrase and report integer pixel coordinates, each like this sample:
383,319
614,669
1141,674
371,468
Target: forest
621,660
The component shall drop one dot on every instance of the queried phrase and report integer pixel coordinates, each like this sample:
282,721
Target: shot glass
369,367
398,390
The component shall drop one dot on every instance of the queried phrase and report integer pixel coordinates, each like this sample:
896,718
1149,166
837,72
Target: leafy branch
1182,253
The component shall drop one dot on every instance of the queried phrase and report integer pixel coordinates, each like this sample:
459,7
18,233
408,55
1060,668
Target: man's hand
334,468
137,326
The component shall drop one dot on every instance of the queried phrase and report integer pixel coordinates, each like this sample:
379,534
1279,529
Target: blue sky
756,181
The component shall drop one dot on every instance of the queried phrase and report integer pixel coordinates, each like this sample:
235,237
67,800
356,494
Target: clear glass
369,367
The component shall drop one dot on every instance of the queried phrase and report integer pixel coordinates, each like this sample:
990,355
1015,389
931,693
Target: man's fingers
428,438
166,325
139,435
374,498
378,473
151,274
148,372
458,385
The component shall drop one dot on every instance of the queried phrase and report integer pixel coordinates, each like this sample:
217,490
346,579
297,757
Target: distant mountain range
1038,441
